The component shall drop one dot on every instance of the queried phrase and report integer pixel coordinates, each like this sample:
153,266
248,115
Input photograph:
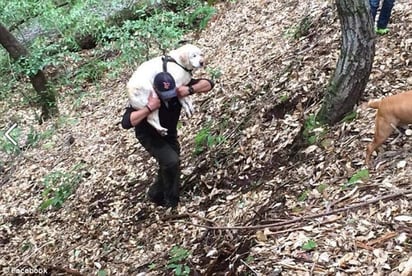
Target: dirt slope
274,65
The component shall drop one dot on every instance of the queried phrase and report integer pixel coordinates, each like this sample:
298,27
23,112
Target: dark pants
166,151
385,12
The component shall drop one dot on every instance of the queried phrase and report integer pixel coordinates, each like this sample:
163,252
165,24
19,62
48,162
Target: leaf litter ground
294,208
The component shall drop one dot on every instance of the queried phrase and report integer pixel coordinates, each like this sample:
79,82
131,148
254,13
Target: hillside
256,201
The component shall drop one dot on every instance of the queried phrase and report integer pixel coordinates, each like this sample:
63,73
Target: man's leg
155,192
171,175
165,191
385,14
374,4
171,184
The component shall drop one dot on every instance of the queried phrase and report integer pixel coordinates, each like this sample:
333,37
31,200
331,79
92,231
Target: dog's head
190,56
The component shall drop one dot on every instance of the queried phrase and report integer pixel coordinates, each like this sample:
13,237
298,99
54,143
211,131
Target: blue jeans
385,13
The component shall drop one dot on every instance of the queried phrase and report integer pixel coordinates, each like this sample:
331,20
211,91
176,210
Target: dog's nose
202,63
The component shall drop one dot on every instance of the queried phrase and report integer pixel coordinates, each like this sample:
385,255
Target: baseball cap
165,85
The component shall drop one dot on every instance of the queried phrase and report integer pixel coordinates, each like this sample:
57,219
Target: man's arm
132,117
195,86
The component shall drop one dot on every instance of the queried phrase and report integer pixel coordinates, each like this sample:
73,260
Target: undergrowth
59,186
153,28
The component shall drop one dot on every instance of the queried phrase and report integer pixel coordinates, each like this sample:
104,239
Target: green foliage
61,23
300,30
58,186
205,140
29,66
215,73
152,266
161,31
309,245
322,187
250,259
313,130
178,256
303,196
32,139
91,71
6,145
199,18
358,176
102,272
350,117
26,246
283,98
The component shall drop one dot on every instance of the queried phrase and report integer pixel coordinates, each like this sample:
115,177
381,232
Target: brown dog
392,111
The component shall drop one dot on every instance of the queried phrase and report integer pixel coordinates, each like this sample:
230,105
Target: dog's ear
184,57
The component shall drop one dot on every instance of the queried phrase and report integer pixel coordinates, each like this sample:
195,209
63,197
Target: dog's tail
374,104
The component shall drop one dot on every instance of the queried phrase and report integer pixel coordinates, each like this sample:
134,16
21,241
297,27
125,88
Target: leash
167,59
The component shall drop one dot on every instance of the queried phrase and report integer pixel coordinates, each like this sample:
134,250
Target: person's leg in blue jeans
374,8
385,14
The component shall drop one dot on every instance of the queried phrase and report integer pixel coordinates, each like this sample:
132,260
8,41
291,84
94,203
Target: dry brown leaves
271,82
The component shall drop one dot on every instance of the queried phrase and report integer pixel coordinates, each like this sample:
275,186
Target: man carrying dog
165,149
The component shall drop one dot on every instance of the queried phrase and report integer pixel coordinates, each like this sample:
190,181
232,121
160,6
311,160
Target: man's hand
182,91
153,101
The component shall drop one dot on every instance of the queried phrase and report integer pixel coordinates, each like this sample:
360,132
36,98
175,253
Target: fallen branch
302,227
301,219
177,217
382,239
370,244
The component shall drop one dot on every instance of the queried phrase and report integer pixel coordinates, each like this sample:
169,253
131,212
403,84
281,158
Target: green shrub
6,145
178,256
358,176
134,41
205,140
313,130
215,73
309,245
199,18
58,186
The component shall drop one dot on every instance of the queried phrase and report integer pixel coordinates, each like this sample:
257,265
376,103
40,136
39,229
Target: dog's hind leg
400,131
153,119
383,130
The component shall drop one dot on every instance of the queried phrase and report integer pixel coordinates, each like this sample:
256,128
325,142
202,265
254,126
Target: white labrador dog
184,60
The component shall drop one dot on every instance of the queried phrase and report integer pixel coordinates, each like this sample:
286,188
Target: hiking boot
155,194
159,199
156,198
171,202
383,31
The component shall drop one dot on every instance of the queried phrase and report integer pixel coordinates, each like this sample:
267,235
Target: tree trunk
355,61
47,99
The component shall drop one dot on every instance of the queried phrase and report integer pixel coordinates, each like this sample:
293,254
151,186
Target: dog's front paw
162,131
189,110
187,105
